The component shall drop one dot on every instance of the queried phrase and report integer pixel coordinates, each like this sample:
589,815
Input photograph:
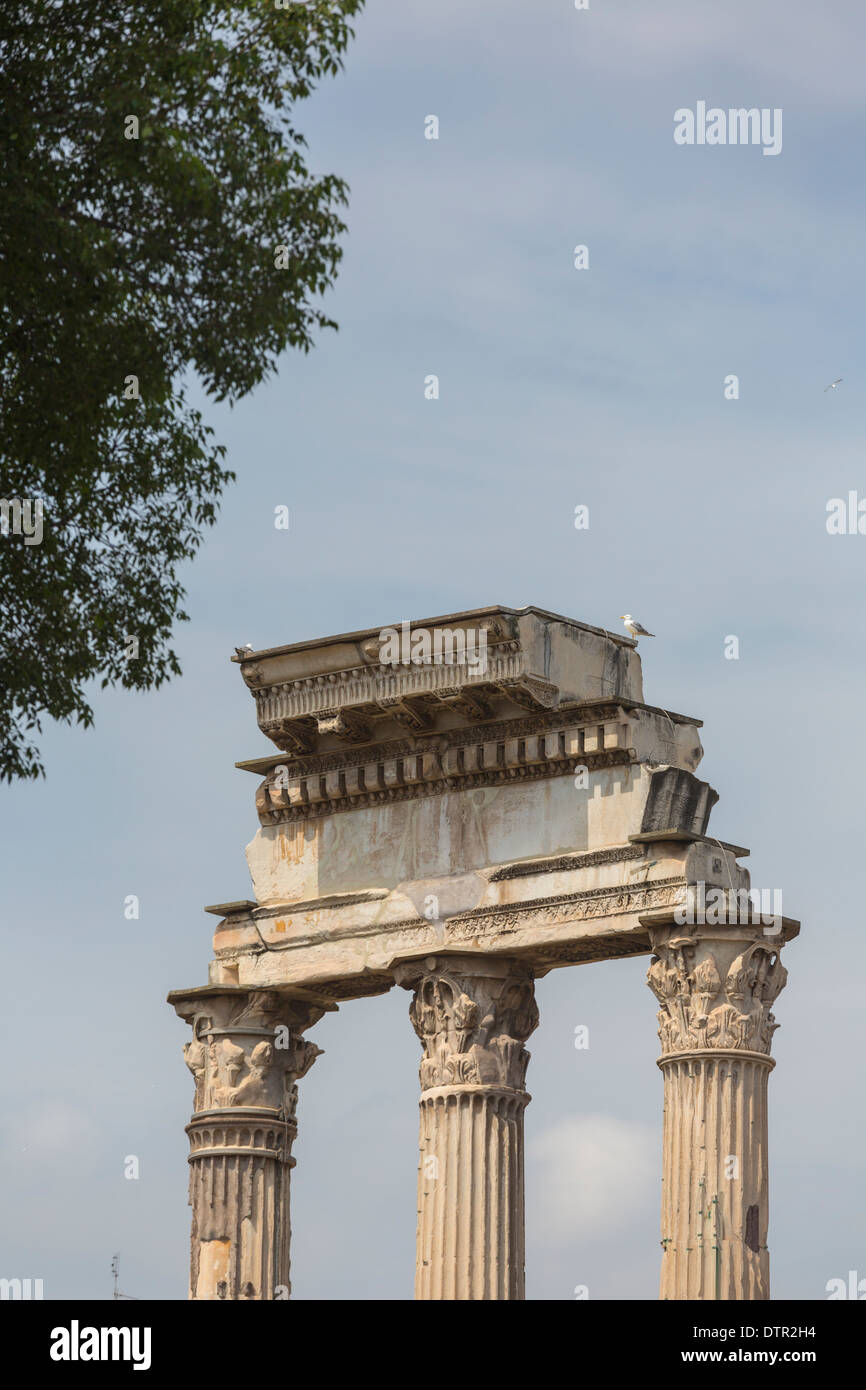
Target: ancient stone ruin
458,806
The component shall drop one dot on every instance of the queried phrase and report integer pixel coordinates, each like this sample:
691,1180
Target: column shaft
714,1185
470,1195
239,1194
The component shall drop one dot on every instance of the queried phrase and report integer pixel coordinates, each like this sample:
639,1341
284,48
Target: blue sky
707,518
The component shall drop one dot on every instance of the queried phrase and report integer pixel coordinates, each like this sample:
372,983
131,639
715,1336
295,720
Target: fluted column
472,1016
715,987
246,1055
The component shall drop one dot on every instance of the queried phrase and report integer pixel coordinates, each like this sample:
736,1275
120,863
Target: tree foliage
150,172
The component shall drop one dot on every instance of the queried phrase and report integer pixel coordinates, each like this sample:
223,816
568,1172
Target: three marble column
473,1015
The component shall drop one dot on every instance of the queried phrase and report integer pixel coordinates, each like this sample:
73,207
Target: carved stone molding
431,766
716,993
344,724
568,907
494,927
368,685
592,718
415,716
471,705
564,863
297,738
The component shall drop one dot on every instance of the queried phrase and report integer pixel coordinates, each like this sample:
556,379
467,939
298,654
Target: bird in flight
833,384
634,627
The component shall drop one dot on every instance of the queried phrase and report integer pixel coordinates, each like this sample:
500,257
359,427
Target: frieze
571,907
417,933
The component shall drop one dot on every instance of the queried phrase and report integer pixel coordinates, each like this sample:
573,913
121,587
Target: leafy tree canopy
156,215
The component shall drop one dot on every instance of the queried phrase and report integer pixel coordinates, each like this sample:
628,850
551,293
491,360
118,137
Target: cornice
577,712
347,704
440,620
314,786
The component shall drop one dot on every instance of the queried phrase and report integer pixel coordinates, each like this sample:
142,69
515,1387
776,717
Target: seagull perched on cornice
244,651
833,384
634,627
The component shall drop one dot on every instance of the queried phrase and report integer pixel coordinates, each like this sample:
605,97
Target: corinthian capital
715,990
472,1017
246,1049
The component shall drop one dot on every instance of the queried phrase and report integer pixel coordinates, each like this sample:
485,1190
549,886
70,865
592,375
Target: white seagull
833,384
634,627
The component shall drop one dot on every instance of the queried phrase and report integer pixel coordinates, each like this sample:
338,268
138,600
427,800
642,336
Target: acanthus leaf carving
247,1051
700,1009
473,1027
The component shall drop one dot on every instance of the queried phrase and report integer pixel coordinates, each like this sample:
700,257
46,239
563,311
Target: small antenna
115,1265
